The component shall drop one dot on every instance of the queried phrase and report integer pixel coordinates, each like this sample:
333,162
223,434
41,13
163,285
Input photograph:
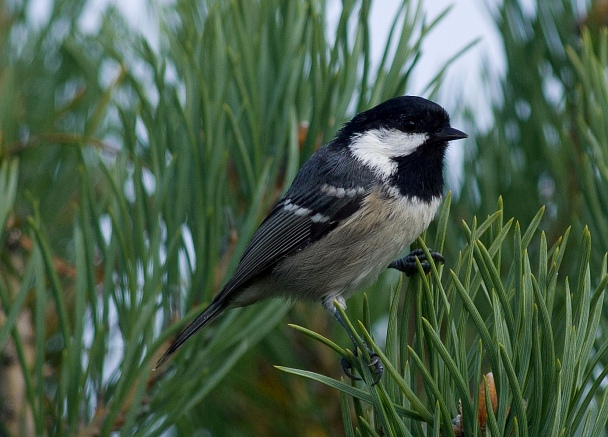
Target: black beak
449,133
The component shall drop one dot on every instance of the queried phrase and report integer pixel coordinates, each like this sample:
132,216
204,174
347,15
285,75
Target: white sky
467,20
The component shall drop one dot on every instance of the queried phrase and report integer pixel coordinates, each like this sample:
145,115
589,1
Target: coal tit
353,207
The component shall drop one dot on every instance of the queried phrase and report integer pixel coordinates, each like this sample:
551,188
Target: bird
354,206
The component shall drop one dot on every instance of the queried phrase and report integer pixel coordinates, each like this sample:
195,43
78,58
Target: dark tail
202,320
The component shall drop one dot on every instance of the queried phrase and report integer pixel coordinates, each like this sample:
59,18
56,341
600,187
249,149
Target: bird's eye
409,126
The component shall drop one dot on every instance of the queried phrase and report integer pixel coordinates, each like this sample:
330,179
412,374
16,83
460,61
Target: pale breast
353,255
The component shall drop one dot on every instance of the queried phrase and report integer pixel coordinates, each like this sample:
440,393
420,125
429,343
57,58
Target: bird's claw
347,367
375,363
378,368
408,265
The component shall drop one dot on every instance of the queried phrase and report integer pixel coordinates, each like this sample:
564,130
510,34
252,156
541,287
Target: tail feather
202,320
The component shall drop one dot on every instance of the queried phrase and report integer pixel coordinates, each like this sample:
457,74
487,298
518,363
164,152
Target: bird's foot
374,364
347,366
408,265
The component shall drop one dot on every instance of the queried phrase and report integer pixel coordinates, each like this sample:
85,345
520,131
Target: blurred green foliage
132,175
540,350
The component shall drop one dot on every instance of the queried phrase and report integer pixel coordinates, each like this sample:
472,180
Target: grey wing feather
284,232
281,233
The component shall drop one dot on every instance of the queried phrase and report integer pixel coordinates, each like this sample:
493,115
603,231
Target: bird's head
387,134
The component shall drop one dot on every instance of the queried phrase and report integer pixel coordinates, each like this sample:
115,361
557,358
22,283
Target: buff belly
346,261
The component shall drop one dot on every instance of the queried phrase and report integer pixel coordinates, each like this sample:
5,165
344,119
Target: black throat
420,174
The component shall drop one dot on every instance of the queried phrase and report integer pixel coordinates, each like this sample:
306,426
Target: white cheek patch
378,147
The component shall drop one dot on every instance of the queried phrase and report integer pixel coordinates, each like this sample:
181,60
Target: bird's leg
374,363
407,264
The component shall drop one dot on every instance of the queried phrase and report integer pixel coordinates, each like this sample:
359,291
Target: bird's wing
293,224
